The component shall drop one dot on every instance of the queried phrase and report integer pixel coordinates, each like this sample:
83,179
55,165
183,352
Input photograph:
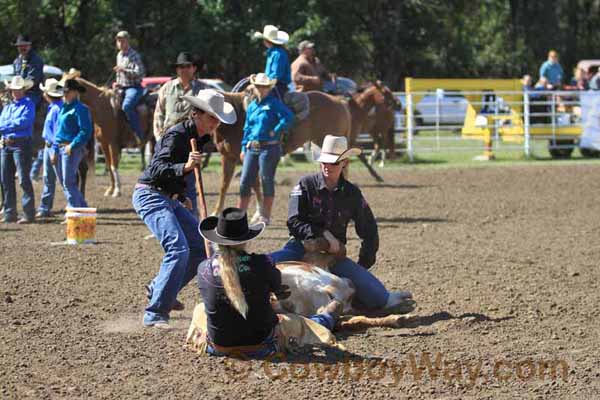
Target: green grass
442,157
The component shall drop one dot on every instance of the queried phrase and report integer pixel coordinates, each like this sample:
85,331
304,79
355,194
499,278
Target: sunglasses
184,66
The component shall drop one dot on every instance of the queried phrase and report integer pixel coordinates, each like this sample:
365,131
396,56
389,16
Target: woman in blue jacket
267,122
278,61
74,131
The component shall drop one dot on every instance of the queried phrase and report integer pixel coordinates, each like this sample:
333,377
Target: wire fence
493,121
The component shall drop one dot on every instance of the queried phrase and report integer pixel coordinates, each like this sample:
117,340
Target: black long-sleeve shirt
258,278
314,209
165,171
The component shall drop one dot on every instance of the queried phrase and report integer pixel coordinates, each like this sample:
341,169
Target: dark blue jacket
30,67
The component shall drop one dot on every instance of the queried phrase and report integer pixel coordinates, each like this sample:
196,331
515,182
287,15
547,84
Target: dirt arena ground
502,260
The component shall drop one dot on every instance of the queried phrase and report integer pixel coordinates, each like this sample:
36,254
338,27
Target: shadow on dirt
413,220
394,186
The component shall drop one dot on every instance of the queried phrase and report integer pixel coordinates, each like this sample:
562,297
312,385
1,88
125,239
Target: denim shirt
266,121
552,71
17,118
74,124
313,209
278,65
51,122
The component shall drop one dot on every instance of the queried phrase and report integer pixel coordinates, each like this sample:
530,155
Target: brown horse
372,112
328,115
113,131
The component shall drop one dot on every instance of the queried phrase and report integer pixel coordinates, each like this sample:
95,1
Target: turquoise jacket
278,65
74,124
266,121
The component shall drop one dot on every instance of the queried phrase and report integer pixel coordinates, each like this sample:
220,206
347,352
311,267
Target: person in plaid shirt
130,71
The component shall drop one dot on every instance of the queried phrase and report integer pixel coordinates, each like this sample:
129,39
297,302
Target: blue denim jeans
131,97
17,158
177,231
369,290
190,192
47,200
69,165
264,161
38,163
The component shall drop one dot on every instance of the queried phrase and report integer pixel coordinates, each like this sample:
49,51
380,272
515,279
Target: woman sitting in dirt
236,287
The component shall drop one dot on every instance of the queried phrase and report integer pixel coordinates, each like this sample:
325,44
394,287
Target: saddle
144,108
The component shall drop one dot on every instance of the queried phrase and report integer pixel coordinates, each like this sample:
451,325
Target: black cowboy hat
73,84
230,228
22,40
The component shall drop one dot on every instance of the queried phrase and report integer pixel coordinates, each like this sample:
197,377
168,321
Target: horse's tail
91,151
229,259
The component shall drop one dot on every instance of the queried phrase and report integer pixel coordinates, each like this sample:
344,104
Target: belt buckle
255,144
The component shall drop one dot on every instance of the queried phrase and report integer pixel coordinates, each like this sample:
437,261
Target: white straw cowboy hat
272,34
18,83
335,149
261,79
52,88
213,102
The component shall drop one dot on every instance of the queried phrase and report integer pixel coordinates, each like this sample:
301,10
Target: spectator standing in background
552,71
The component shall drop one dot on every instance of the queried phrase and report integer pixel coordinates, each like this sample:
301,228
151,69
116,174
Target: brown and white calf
312,288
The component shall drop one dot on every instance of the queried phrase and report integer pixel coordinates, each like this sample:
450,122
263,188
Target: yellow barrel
81,225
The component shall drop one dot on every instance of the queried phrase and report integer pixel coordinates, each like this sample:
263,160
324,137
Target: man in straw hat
267,122
159,199
320,209
236,287
53,94
172,109
16,127
307,71
278,61
130,71
29,65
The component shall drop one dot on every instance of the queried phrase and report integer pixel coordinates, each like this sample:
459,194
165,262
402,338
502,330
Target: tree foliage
364,39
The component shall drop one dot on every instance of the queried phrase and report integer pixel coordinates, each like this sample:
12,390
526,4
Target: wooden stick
200,191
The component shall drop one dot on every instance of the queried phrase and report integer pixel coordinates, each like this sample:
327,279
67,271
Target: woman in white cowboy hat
278,61
73,133
267,122
236,287
53,94
16,127
320,208
159,199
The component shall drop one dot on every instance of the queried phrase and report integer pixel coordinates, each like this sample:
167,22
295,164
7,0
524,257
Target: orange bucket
81,225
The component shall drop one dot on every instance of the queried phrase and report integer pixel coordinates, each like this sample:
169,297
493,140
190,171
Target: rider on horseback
129,72
278,61
307,71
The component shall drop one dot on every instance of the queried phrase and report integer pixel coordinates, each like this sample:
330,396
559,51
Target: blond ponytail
228,260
